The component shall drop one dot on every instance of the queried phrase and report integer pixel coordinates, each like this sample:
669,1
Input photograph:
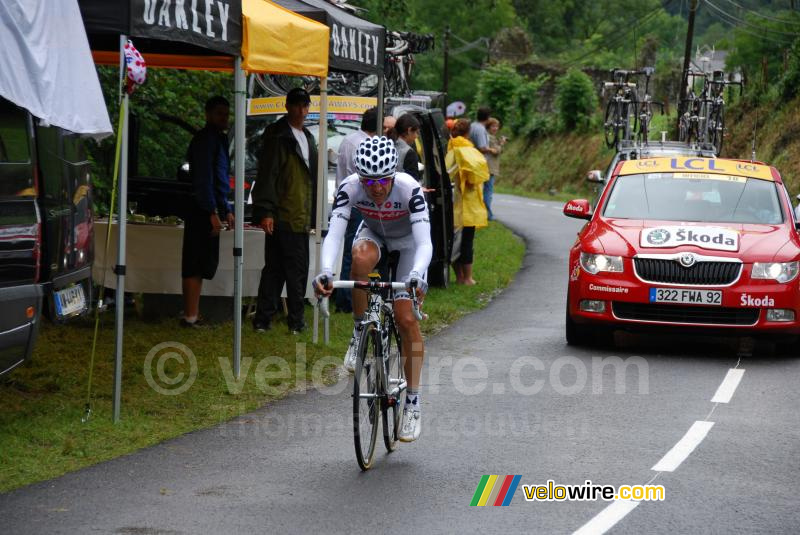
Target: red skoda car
685,243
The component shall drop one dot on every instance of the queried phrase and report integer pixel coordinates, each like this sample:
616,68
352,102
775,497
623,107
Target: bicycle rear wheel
366,404
392,407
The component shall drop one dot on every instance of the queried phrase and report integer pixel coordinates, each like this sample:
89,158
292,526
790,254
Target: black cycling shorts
200,249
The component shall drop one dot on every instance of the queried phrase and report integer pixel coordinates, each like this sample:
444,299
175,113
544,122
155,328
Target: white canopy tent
48,71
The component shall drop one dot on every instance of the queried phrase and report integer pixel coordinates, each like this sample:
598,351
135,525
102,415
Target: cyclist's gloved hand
323,284
415,277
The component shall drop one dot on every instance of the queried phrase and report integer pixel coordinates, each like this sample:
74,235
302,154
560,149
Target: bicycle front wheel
366,404
392,407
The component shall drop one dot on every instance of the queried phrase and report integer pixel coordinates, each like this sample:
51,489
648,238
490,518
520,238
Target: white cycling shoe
411,427
350,356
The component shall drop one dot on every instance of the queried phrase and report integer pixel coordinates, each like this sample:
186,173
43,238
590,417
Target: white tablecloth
154,260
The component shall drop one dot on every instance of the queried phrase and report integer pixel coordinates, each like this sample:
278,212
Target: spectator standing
407,128
468,170
477,131
283,206
389,127
345,166
493,159
209,170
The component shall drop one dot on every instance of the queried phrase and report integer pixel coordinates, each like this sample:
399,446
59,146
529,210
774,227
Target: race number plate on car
70,300
685,296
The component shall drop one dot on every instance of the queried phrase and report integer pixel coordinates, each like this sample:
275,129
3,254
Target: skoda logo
658,236
687,259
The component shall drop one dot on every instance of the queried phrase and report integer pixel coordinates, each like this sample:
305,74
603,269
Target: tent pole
380,104
121,226
322,202
240,101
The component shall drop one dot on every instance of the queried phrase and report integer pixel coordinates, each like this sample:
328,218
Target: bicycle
692,112
620,108
716,114
645,107
379,382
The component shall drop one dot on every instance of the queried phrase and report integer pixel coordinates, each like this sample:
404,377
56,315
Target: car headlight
595,263
778,271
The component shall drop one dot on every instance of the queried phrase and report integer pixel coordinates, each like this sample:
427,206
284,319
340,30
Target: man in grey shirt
344,162
477,130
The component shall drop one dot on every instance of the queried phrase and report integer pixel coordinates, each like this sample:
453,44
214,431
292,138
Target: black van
46,248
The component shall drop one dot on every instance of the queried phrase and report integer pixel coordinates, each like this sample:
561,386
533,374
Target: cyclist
395,219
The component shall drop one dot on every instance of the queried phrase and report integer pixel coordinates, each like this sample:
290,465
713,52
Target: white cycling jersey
404,213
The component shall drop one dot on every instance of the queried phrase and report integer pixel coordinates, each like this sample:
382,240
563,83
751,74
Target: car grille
669,271
685,313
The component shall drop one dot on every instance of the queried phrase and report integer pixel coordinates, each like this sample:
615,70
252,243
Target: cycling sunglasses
373,181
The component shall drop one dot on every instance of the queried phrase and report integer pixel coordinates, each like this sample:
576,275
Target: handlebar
374,286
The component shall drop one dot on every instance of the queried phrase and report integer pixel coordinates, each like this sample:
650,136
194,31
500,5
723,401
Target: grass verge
41,404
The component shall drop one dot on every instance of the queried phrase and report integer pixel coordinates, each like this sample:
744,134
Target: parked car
46,243
685,244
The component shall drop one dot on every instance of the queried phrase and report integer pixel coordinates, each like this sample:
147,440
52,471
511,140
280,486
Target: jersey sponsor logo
388,215
342,199
416,204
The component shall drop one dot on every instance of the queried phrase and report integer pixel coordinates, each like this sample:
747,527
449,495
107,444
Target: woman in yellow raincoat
468,170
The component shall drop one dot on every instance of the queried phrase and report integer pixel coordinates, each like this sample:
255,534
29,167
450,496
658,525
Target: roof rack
654,146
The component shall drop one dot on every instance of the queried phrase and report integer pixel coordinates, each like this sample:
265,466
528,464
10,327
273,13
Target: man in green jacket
284,199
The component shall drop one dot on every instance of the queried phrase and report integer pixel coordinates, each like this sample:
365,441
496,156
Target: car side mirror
595,175
578,208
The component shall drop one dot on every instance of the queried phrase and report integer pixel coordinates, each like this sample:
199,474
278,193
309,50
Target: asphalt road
502,394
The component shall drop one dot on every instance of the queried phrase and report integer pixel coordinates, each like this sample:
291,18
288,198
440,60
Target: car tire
576,334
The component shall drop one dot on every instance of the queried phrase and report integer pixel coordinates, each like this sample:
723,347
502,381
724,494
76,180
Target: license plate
686,296
70,300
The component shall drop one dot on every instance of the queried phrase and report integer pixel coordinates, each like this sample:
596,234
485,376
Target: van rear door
65,203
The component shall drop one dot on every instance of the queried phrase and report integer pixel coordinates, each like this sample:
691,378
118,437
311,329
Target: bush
524,106
576,100
497,86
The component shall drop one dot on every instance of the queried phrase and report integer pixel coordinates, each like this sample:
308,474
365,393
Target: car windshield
685,197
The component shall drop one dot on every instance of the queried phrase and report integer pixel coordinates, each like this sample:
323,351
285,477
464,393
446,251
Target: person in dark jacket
209,170
284,200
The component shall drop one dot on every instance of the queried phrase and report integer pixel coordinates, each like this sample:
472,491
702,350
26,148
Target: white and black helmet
376,157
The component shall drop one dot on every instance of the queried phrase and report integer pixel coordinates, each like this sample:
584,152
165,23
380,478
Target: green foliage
467,22
169,107
762,40
525,119
497,86
576,100
789,86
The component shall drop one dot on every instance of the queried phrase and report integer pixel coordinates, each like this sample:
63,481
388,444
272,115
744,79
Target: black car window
14,147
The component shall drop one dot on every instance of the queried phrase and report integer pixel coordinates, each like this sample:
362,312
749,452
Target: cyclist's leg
366,255
412,347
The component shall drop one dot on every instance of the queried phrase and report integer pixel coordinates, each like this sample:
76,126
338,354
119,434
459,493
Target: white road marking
685,446
537,205
728,386
557,207
605,519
